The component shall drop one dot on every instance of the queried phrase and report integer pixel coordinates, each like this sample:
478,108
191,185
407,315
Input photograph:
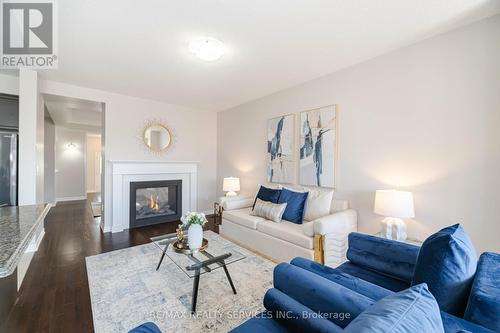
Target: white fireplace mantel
125,172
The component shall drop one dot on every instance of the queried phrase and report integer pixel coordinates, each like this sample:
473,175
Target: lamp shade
392,203
231,184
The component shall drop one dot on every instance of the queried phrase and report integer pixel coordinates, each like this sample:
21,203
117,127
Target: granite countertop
17,228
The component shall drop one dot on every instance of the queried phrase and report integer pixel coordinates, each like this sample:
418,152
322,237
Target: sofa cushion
268,210
294,211
339,205
318,204
352,282
447,263
287,231
454,324
374,277
389,257
483,306
268,194
298,318
243,217
308,228
413,310
260,323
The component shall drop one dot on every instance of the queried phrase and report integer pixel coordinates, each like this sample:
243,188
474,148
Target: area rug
126,290
96,209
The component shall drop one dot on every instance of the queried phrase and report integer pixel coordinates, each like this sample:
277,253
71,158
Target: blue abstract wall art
280,149
317,147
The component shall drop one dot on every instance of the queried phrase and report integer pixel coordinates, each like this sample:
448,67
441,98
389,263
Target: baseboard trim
105,228
83,197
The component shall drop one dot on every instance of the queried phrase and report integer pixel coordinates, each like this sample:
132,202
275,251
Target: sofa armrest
340,223
319,294
237,203
298,318
483,307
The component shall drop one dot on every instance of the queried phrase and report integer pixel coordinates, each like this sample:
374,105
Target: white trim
82,197
208,212
105,227
150,162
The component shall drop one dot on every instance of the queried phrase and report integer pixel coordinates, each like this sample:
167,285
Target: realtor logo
28,34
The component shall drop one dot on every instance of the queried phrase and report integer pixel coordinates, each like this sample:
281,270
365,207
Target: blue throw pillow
484,301
447,263
413,310
267,194
294,211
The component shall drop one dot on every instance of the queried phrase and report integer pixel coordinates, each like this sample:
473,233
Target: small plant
193,218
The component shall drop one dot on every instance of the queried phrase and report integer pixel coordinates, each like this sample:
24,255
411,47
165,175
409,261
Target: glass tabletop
217,246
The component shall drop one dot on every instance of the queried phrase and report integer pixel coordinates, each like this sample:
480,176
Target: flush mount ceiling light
207,48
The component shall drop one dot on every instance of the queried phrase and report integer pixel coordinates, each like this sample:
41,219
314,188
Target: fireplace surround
122,173
153,202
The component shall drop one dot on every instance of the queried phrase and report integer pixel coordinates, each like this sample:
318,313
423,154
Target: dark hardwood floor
54,296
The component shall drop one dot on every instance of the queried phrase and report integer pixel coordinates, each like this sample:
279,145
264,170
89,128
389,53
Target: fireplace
153,202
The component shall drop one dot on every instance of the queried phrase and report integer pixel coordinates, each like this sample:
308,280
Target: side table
407,241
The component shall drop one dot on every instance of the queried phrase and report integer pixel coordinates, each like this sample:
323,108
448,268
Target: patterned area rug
126,290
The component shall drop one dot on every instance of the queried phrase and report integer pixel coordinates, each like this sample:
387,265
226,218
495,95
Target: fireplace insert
153,202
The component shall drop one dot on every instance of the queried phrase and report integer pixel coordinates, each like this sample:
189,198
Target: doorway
77,158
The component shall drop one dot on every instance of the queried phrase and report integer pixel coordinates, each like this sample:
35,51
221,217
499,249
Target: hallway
54,296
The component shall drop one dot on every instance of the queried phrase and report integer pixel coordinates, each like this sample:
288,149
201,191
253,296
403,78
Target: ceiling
140,48
74,113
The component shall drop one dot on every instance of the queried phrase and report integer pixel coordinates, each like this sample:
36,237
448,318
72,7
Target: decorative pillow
483,306
268,210
296,201
268,194
318,204
412,310
447,263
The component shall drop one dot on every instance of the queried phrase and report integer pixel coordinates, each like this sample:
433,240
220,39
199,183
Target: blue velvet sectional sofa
310,297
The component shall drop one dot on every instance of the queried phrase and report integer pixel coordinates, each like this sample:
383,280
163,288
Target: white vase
195,236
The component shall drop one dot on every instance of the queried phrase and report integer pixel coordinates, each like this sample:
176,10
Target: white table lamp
395,206
231,185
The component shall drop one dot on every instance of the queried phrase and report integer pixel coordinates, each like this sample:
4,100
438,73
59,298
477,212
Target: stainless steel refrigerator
8,168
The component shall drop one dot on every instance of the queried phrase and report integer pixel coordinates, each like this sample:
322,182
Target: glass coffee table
219,253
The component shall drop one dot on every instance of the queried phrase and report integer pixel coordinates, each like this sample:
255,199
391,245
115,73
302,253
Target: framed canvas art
317,145
280,149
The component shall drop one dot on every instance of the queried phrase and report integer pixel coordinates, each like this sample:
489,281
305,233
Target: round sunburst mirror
157,137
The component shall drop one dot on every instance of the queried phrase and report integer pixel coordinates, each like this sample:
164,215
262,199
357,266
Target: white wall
30,147
9,84
424,118
9,113
194,134
40,147
93,178
70,164
49,133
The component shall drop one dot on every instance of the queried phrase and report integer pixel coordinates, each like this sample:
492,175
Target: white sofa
323,239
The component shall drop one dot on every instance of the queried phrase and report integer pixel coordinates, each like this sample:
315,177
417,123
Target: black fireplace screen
154,202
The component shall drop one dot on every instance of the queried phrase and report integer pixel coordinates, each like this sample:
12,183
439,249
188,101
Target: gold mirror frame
144,136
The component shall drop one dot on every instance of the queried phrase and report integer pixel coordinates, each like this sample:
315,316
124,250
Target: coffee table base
196,283
198,266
